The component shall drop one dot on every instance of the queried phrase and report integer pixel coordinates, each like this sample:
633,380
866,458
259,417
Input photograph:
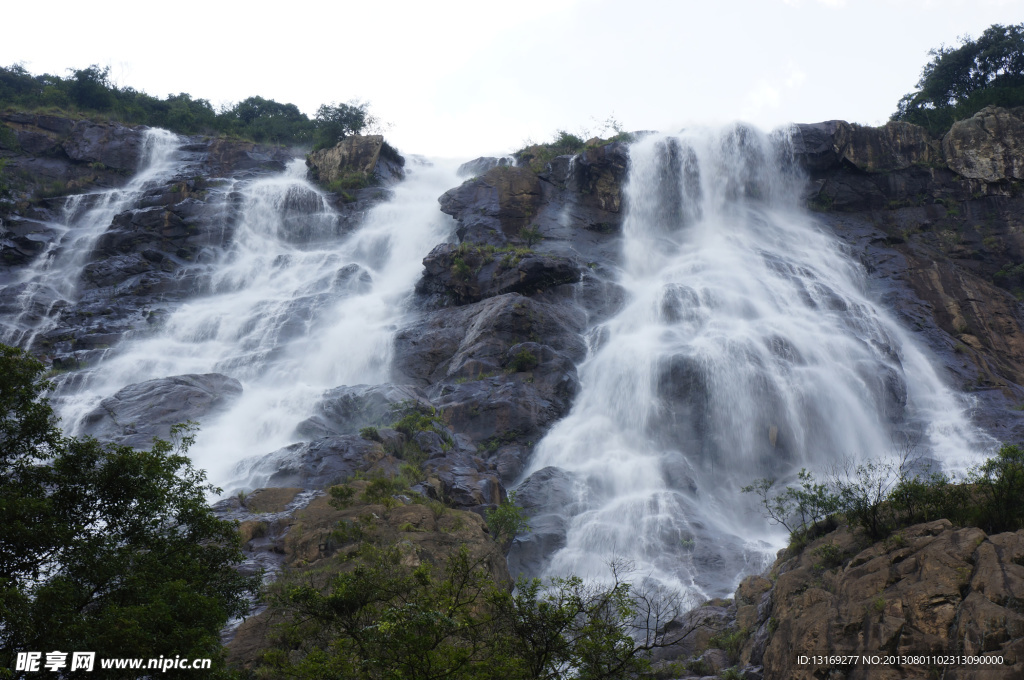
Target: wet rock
820,147
494,208
314,465
112,144
467,273
479,166
546,498
347,409
137,413
472,340
228,157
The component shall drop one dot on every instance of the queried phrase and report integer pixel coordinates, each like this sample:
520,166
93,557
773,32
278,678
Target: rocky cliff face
489,354
928,591
937,225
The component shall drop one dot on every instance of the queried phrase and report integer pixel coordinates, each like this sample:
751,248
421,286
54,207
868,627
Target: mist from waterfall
748,347
292,309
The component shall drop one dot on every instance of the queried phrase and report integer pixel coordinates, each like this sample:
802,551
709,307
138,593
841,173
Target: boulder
988,146
468,273
364,154
479,166
314,465
136,414
347,409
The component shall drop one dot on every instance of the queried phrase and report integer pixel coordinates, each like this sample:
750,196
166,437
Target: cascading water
293,310
52,279
747,347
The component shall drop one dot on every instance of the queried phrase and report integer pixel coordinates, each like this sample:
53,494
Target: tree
104,548
960,81
383,619
334,122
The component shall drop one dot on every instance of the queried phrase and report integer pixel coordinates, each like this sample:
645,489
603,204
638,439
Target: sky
457,78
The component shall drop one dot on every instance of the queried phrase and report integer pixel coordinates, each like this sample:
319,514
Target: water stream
51,280
291,313
748,347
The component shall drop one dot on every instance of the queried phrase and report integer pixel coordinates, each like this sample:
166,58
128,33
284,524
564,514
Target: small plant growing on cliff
797,507
507,520
530,235
524,360
370,433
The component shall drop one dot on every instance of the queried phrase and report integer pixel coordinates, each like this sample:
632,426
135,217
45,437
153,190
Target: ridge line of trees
90,91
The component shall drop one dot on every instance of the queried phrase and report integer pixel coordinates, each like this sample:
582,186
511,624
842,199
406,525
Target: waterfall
292,309
748,346
51,281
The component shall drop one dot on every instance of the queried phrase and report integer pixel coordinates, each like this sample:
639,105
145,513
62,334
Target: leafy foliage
960,81
386,620
105,548
334,122
507,520
882,496
90,91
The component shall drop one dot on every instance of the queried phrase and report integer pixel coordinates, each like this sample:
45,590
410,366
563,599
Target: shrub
507,521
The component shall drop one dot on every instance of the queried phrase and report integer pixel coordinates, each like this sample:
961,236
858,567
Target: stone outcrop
928,590
989,146
136,414
365,155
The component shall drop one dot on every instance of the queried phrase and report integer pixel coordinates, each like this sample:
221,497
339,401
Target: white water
288,316
747,348
52,278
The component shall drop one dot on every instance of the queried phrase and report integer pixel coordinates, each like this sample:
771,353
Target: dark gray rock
479,166
467,273
546,497
314,465
112,144
138,413
347,409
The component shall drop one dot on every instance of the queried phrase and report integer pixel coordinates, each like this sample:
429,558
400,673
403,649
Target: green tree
960,81
334,122
385,620
105,548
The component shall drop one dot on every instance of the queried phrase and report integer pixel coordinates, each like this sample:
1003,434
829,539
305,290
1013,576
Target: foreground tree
382,619
104,548
960,81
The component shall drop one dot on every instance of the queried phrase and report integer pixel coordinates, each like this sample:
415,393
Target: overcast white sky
466,78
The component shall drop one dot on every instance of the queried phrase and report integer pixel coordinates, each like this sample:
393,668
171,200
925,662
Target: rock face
140,412
929,590
365,155
937,225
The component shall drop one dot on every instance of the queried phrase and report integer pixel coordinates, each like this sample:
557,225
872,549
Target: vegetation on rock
882,496
960,81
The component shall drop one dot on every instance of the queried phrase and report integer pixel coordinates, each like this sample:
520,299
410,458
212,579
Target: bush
1000,481
882,496
507,521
